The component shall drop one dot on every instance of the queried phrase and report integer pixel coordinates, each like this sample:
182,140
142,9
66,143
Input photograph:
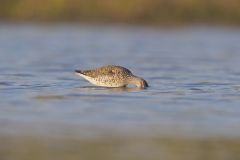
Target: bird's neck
136,81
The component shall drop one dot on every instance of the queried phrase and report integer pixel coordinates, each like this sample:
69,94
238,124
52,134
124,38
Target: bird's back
109,70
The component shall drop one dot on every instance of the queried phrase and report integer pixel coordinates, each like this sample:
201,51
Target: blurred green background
123,11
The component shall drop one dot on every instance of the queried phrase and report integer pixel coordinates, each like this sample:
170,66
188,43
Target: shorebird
112,76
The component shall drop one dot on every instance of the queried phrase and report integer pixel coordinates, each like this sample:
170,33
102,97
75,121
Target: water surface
190,111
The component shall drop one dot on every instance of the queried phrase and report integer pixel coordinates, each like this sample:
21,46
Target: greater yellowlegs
112,76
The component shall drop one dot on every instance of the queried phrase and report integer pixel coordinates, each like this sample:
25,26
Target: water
190,111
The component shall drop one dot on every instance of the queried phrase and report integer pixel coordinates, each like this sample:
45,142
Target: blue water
193,74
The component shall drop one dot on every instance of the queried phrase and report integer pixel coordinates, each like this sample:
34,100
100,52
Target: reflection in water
94,89
90,93
127,89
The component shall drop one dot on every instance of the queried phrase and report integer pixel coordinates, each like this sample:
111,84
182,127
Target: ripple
106,95
208,83
50,97
6,83
23,75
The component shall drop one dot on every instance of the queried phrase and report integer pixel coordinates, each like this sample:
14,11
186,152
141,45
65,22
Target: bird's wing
96,73
106,71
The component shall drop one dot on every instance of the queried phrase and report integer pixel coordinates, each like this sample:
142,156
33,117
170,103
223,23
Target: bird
112,76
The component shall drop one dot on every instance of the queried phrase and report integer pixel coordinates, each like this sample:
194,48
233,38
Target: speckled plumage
111,76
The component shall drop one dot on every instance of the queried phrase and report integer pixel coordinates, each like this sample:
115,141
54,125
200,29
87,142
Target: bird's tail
78,71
